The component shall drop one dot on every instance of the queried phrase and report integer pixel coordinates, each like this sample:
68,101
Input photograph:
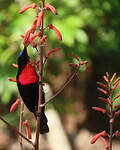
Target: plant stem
111,123
40,87
20,124
10,126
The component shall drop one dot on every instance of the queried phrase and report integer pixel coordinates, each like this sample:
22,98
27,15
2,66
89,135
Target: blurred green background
90,28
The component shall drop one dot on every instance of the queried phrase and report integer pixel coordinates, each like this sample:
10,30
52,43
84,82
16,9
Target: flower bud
116,81
117,105
102,84
113,77
50,52
117,96
99,109
40,15
117,113
43,39
117,133
15,65
106,79
74,65
33,5
105,142
95,138
76,57
103,91
50,7
58,34
83,62
12,79
103,99
14,105
28,130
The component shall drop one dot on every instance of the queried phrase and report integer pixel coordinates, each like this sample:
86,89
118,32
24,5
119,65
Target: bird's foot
38,114
41,83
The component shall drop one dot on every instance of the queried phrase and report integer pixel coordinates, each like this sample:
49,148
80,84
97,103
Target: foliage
89,28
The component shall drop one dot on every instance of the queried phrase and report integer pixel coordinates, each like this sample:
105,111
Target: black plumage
28,86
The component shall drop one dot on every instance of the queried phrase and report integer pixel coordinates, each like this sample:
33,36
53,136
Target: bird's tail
43,124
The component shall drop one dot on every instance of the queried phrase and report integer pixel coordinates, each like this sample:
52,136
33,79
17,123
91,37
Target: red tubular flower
56,31
14,105
50,7
117,96
102,84
35,21
22,36
40,15
83,62
35,35
15,65
43,39
26,37
117,133
103,99
33,43
115,85
33,28
74,65
99,109
33,5
103,91
105,142
30,41
106,79
117,113
94,139
107,74
50,52
113,77
26,43
76,57
28,130
12,79
116,81
117,105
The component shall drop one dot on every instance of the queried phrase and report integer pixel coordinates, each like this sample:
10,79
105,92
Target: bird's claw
38,114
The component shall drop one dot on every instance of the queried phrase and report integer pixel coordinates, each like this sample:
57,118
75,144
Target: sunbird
28,86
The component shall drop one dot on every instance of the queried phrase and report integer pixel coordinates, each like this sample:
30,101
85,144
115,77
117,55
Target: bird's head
23,58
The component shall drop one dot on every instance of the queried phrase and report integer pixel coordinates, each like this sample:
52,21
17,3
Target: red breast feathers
28,75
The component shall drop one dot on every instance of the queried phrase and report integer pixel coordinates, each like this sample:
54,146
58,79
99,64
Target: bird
28,87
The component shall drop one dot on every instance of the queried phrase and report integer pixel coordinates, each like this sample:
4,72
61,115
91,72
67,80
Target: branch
62,88
20,124
40,85
10,126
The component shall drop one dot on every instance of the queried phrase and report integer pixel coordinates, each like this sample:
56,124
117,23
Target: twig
62,88
20,124
10,126
111,124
